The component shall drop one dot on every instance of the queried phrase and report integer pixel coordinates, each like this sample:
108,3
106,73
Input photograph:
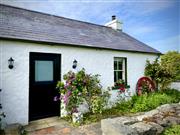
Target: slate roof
23,24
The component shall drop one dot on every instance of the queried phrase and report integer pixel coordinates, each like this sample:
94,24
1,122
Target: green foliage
174,130
171,60
99,102
162,75
150,101
173,93
80,87
147,102
136,104
165,77
165,70
151,69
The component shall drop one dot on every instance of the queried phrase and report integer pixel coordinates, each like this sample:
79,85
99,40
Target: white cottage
43,48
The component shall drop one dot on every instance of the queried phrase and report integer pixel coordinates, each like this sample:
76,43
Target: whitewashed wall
175,85
15,82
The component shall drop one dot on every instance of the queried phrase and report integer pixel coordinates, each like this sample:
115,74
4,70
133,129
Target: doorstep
46,123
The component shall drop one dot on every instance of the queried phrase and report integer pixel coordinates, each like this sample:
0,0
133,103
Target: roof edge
74,45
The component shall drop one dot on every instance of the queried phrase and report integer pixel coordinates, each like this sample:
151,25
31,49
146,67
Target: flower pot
77,117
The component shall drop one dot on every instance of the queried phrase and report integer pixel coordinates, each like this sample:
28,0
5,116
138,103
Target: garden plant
164,70
79,88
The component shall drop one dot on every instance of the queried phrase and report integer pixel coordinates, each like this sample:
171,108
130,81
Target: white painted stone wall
15,82
175,85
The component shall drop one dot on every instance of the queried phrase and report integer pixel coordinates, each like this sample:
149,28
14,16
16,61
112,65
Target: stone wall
148,123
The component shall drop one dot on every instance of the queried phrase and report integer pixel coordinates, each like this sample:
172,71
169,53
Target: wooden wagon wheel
145,83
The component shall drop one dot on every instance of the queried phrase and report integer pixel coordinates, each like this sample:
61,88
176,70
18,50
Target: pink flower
69,93
66,96
122,89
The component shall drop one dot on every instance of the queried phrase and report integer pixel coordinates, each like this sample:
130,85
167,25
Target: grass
119,110
142,103
150,101
174,130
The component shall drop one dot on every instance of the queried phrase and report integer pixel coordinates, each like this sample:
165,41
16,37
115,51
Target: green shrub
162,75
99,102
151,69
174,130
150,101
165,70
171,60
173,93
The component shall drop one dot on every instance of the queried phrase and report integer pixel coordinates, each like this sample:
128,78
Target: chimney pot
113,17
114,23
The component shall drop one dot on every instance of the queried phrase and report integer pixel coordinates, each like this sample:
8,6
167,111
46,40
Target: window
119,69
43,70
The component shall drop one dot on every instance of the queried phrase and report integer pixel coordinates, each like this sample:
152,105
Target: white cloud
168,44
148,7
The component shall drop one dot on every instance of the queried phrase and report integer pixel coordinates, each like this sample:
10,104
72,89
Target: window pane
120,65
115,65
115,76
120,75
43,70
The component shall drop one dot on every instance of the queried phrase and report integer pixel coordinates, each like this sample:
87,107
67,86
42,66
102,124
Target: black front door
44,74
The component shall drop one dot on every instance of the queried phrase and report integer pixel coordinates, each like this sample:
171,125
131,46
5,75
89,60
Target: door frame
31,76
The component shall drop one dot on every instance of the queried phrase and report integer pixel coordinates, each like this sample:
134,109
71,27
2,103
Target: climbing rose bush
81,87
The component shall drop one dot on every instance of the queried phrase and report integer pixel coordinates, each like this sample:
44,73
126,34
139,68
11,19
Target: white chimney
115,23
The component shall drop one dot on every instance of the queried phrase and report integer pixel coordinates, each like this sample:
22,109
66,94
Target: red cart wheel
145,83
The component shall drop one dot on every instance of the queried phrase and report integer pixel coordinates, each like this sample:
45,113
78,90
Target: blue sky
154,22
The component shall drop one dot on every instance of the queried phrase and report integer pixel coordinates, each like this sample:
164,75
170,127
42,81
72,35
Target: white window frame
123,70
